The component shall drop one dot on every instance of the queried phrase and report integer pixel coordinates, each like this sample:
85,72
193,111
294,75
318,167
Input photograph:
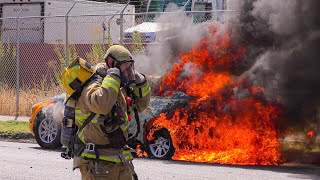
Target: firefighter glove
114,72
140,78
101,69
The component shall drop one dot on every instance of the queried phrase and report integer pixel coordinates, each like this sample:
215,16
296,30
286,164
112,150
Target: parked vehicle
45,124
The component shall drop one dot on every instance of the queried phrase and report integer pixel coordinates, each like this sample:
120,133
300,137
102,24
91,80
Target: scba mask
126,68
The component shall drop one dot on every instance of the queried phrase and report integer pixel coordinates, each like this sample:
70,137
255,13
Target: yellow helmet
76,75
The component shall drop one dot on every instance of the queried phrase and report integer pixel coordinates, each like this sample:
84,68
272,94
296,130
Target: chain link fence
35,50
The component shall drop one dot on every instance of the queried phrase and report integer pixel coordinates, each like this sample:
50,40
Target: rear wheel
47,132
161,146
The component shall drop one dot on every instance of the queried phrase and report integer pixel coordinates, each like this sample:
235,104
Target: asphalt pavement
29,161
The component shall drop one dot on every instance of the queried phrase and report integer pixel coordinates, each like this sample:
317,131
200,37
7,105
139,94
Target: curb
301,157
20,137
16,135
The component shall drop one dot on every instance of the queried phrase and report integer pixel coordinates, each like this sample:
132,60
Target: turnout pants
105,170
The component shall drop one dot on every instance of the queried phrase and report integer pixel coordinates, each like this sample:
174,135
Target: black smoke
282,38
283,52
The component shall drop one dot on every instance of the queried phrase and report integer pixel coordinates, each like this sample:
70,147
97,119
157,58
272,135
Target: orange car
45,124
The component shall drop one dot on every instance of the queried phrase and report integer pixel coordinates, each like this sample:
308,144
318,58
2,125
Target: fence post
121,23
185,5
110,43
67,35
18,65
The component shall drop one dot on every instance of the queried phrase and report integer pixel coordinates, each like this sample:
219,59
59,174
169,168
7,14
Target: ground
29,161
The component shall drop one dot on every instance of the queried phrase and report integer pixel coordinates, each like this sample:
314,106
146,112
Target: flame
218,126
140,153
311,134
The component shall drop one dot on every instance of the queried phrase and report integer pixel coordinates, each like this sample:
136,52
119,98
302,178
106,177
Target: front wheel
47,132
161,146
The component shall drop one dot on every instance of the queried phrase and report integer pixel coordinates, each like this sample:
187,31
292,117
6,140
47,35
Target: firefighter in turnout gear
97,114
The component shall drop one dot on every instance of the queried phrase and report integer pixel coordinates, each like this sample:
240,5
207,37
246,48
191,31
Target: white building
46,22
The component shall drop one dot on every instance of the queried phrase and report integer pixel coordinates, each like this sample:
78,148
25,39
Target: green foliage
58,67
97,53
60,50
138,44
8,64
94,56
110,43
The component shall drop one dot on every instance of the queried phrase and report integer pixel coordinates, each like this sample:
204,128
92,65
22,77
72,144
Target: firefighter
99,102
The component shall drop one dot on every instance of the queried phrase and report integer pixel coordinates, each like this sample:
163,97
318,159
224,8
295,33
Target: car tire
161,146
47,132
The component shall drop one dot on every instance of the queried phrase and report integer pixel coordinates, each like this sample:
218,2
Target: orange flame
219,126
311,133
140,153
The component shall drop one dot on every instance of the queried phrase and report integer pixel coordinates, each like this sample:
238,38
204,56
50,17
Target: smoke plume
55,110
283,40
181,34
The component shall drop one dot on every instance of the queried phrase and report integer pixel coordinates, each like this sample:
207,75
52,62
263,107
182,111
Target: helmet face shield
110,61
120,57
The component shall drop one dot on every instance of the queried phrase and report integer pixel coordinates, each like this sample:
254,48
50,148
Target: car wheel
161,146
47,132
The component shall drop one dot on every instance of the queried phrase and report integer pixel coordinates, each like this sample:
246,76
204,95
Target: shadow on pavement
55,150
301,171
295,169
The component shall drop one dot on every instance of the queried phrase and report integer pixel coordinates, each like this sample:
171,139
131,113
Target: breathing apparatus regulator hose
130,93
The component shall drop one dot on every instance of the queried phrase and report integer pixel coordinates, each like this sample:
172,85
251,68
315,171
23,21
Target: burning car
45,124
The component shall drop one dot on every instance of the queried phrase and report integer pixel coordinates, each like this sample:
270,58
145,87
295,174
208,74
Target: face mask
110,61
127,72
126,69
